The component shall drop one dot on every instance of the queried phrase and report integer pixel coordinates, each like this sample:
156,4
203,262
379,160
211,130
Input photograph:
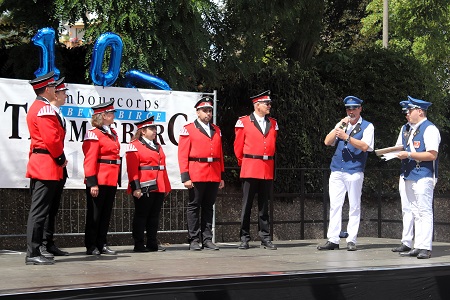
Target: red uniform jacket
140,154
47,135
101,157
250,140
200,157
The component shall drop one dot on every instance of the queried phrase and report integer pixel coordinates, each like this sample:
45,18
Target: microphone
344,125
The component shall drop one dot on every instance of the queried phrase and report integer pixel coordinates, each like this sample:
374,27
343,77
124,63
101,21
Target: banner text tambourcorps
171,110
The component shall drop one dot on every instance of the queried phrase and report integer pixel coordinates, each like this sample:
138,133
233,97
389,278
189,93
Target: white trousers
341,183
407,215
420,197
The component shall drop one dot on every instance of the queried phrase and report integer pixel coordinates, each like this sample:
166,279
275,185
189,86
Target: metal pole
213,229
385,23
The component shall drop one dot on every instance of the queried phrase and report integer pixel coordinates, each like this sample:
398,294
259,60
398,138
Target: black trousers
146,218
200,210
49,226
42,193
250,187
98,215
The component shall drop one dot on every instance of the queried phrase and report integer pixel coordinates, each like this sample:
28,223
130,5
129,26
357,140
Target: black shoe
401,248
107,250
268,245
194,246
141,249
44,252
244,246
156,248
328,246
93,251
38,260
208,245
351,246
56,251
414,252
424,254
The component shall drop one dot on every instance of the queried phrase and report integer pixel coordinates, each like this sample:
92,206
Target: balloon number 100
45,39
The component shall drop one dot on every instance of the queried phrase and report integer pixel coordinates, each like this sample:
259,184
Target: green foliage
419,27
259,34
342,24
247,46
307,104
166,38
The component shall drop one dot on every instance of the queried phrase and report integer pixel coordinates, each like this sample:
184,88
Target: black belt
203,159
161,168
41,151
263,157
110,161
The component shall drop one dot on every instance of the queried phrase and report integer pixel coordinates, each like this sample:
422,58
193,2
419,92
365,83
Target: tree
268,33
342,24
169,39
421,27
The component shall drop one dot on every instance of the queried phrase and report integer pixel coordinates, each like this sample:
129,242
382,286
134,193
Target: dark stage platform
297,270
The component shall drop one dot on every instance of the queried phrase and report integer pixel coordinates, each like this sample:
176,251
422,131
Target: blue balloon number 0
107,39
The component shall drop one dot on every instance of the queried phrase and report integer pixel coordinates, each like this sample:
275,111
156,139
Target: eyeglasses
267,103
352,107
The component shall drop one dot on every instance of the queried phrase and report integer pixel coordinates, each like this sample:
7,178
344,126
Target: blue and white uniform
347,176
420,179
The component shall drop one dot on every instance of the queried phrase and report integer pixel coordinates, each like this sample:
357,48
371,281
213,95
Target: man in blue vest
407,216
353,138
419,165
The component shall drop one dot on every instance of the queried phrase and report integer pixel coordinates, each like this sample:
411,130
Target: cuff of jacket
91,181
60,160
135,185
185,177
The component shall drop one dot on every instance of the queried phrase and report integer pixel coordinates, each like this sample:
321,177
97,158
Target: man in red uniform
200,158
45,165
48,243
254,147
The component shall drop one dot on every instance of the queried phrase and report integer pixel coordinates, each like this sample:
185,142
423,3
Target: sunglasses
351,107
267,103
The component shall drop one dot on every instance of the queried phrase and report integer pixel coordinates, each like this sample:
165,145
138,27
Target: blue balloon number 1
45,39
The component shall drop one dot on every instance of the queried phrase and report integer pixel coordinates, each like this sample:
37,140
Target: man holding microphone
354,138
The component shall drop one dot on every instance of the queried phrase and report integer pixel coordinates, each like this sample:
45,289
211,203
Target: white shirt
400,138
431,136
368,133
205,127
261,122
150,142
107,129
58,111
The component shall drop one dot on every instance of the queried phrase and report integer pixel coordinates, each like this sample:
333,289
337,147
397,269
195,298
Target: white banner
171,109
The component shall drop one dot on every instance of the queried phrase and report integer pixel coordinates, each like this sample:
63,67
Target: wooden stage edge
297,270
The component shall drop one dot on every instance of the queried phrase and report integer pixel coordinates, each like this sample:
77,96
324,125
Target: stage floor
80,272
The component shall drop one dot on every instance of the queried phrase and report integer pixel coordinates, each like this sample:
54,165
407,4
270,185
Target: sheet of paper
390,155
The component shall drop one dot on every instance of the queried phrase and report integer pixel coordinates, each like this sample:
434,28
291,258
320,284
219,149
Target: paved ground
178,264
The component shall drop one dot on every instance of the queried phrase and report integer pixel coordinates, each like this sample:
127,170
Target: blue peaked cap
404,105
352,101
417,103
